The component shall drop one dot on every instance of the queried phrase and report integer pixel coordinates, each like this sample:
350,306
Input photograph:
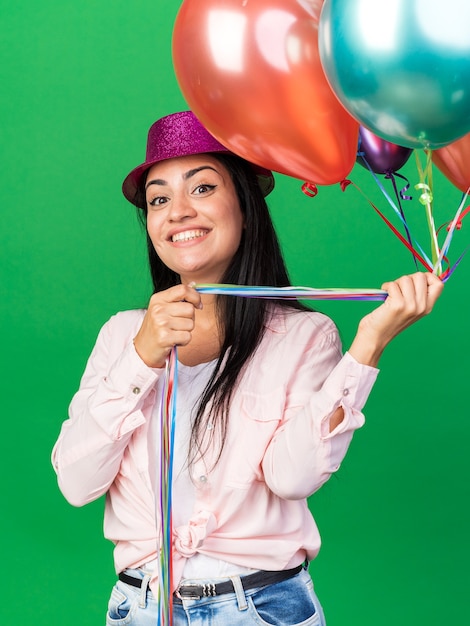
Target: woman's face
193,216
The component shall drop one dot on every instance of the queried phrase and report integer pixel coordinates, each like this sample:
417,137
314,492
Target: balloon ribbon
292,293
425,263
167,437
168,415
399,194
426,200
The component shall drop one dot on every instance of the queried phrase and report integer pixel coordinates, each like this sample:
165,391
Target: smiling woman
267,402
194,219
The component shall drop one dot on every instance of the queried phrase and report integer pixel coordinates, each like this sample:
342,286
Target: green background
81,82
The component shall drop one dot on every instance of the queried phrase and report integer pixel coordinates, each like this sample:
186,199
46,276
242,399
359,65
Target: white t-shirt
191,381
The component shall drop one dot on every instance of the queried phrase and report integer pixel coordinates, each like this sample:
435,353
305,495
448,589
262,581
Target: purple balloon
382,156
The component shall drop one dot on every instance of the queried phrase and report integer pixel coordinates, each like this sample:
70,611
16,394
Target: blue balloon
401,67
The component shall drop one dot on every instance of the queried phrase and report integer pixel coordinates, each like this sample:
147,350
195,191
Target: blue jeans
291,602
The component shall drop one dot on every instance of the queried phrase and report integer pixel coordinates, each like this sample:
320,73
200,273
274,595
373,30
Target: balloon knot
310,189
344,183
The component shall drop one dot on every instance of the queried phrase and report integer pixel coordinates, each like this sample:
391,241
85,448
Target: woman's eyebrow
198,169
186,176
155,181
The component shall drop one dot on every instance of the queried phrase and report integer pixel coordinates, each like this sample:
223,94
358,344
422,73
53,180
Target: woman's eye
204,188
157,201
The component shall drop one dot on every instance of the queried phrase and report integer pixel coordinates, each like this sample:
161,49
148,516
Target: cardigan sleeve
103,414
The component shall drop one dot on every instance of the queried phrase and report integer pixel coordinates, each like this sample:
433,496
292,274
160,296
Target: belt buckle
187,597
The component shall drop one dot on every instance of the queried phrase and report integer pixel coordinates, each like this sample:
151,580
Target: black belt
195,592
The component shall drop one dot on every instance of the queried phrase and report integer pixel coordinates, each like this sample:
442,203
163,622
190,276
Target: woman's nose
181,207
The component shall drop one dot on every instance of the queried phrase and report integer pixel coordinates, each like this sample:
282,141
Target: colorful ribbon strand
425,186
448,239
293,293
164,502
168,419
168,410
426,199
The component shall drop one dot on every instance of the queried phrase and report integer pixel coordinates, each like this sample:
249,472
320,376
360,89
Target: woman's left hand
409,299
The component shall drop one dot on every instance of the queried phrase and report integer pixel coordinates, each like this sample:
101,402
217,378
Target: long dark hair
242,321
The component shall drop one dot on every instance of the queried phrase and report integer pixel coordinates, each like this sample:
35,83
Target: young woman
266,405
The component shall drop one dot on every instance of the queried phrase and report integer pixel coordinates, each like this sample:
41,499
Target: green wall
80,84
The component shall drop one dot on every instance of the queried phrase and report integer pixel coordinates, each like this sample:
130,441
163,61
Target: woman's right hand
409,299
169,322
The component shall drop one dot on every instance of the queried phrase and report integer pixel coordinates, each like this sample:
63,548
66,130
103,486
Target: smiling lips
188,235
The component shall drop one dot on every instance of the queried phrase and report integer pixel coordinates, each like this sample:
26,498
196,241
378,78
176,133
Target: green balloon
400,67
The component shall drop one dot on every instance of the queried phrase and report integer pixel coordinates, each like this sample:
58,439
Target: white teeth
188,234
